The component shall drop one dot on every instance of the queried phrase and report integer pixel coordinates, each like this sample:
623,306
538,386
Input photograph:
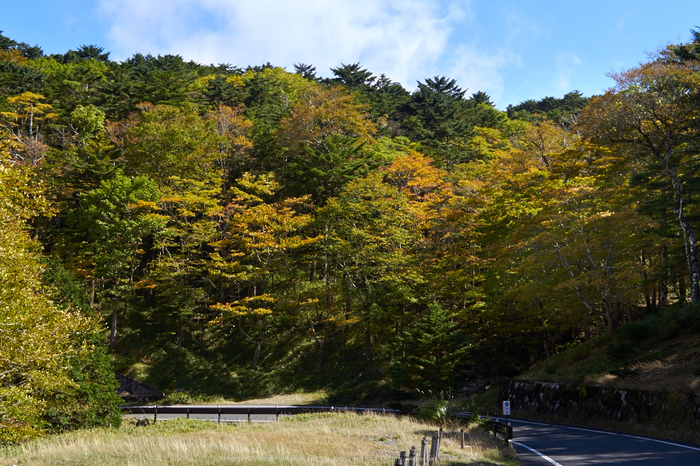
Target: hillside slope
661,352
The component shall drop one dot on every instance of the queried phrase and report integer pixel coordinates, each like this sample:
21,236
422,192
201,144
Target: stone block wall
576,402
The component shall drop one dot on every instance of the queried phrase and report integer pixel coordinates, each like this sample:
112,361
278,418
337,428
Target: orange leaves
259,236
415,174
650,106
148,284
234,128
252,305
143,205
320,113
28,106
23,123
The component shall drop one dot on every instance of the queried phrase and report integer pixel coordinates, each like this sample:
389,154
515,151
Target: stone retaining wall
585,402
133,390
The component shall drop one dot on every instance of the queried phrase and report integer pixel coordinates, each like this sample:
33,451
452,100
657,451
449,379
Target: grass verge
318,439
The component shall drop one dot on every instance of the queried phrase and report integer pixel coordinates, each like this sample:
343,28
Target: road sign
506,408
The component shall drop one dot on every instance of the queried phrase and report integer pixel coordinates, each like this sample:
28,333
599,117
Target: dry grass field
318,440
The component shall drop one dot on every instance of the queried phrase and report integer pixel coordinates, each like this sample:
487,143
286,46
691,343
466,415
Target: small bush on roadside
437,411
176,397
486,423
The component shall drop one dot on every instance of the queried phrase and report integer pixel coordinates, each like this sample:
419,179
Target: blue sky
512,50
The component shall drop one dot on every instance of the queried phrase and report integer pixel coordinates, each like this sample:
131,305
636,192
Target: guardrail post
504,429
218,419
248,415
461,438
277,414
188,413
155,414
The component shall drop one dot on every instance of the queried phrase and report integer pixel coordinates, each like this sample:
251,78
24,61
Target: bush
437,411
619,352
638,331
176,397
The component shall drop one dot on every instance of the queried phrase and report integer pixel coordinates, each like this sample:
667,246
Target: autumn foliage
239,231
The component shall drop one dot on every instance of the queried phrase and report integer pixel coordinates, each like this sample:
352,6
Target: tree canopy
242,230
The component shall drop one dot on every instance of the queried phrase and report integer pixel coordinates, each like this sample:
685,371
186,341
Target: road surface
546,445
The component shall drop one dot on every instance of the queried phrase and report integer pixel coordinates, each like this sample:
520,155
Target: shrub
437,411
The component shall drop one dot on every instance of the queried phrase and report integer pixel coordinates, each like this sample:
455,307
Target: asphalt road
547,445
208,417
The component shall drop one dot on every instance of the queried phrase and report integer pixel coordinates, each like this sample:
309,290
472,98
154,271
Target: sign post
506,413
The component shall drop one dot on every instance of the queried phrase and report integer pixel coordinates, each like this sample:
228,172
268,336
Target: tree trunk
547,348
663,286
368,335
691,248
256,355
92,294
257,343
682,296
605,308
319,354
113,329
610,316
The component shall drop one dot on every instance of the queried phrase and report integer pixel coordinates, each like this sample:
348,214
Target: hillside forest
241,232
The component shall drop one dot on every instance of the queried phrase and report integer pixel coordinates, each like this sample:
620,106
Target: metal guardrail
503,429
249,410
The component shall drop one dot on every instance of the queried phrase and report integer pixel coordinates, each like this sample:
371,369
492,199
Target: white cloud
405,39
477,69
568,66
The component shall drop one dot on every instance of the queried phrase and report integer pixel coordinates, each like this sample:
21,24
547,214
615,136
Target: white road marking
537,453
611,433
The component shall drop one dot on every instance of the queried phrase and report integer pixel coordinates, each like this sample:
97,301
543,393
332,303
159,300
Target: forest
244,231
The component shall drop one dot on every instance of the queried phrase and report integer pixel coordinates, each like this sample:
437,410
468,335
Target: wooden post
402,458
397,462
439,441
412,461
424,452
461,436
155,414
433,449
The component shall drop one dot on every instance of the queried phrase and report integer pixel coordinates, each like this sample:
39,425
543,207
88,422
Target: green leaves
432,346
37,340
163,142
115,219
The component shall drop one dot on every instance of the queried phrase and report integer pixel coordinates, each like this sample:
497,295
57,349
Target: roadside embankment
669,414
